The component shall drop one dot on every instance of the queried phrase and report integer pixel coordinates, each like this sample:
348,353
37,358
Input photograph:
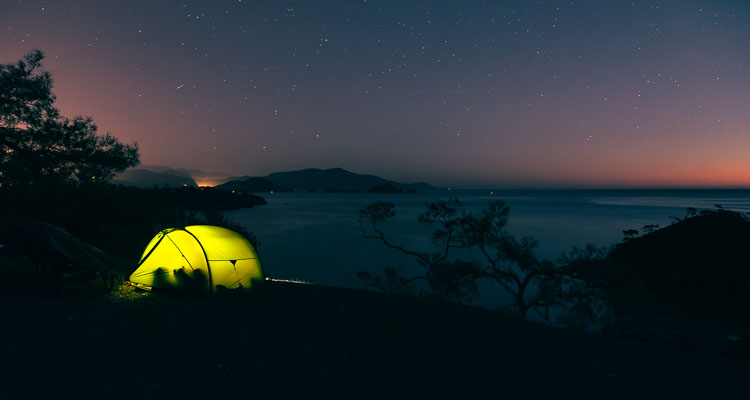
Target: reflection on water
729,203
316,238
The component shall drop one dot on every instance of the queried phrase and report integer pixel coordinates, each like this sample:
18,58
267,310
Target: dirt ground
306,341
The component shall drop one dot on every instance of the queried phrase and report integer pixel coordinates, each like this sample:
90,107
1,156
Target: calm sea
316,237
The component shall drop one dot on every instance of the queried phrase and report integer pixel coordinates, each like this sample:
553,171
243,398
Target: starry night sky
456,93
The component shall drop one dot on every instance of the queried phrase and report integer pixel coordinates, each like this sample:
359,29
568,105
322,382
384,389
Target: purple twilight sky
455,93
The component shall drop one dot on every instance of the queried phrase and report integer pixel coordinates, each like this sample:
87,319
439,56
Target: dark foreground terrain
307,341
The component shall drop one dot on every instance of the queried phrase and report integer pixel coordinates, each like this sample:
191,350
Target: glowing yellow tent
199,258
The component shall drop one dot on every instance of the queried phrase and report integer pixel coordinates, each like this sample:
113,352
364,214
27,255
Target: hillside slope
305,341
700,263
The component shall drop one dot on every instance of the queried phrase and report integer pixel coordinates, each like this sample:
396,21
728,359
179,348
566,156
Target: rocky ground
306,341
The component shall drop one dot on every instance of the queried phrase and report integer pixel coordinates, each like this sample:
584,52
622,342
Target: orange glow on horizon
205,183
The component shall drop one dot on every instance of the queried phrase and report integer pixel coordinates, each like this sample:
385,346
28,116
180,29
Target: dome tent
198,258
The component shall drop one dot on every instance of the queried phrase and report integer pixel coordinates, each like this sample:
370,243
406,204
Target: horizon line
490,187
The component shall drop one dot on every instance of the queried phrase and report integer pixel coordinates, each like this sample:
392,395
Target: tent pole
208,264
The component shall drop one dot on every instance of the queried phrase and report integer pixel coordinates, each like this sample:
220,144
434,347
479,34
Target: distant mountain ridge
321,179
307,180
337,179
148,176
145,178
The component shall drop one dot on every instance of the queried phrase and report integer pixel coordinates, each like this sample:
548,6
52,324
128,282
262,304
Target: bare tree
533,284
511,263
448,278
573,283
584,278
630,234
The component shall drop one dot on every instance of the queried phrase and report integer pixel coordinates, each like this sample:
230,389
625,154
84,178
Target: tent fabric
199,258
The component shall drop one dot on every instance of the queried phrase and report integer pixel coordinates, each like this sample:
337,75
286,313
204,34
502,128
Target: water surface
316,237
